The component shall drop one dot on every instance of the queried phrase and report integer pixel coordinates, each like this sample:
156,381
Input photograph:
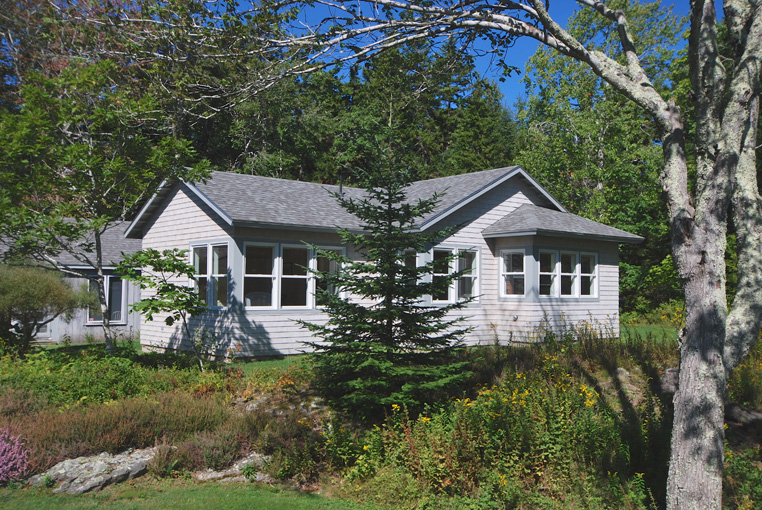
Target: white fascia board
144,210
214,207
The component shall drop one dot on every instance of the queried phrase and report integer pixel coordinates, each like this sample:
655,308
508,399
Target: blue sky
523,48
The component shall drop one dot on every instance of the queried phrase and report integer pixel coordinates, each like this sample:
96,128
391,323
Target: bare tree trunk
102,300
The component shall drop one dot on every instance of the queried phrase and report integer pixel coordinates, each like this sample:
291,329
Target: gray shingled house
86,324
532,264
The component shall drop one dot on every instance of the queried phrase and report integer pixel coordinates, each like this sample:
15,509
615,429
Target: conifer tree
383,344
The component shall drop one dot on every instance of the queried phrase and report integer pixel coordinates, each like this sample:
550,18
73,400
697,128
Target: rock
621,373
669,381
84,474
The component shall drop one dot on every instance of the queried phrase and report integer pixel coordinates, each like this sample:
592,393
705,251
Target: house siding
185,220
80,330
182,220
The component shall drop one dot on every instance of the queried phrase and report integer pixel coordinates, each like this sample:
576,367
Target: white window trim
577,275
278,276
210,285
452,291
504,273
122,306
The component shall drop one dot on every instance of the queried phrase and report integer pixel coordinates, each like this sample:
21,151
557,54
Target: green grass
648,330
150,495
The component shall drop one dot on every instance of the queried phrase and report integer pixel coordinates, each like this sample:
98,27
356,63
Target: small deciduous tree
159,272
382,344
30,298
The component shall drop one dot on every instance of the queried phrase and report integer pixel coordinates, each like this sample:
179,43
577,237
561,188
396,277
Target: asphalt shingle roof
269,201
113,243
530,219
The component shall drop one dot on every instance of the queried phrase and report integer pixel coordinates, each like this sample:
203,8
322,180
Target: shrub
14,457
131,423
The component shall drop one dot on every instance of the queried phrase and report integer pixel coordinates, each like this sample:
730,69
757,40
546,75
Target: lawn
148,494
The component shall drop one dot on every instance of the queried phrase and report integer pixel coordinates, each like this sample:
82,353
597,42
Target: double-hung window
466,286
114,300
512,273
295,276
548,269
280,276
259,275
210,263
329,266
568,274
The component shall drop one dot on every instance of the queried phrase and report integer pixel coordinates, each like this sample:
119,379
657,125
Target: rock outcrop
85,474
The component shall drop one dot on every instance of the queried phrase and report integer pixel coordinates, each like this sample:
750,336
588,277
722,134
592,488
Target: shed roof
530,219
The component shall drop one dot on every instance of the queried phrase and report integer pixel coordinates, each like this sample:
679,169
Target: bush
131,423
14,457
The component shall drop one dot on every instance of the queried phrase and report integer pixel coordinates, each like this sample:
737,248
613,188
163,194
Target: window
211,266
439,277
326,265
512,273
568,274
114,300
259,275
295,277
279,276
547,273
587,266
465,287
467,282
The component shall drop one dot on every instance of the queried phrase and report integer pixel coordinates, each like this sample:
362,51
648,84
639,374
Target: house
87,324
533,264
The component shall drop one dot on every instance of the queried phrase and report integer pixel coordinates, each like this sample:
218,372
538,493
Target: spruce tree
382,344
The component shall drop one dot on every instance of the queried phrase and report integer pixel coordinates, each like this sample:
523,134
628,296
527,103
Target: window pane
546,284
467,262
568,263
220,297
441,262
410,259
567,285
257,291
514,284
587,264
514,262
586,286
547,262
293,292
259,260
466,287
115,298
199,260
326,265
201,287
295,261
219,259
441,289
94,311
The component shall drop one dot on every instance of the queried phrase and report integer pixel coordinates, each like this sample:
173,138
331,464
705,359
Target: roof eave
632,239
